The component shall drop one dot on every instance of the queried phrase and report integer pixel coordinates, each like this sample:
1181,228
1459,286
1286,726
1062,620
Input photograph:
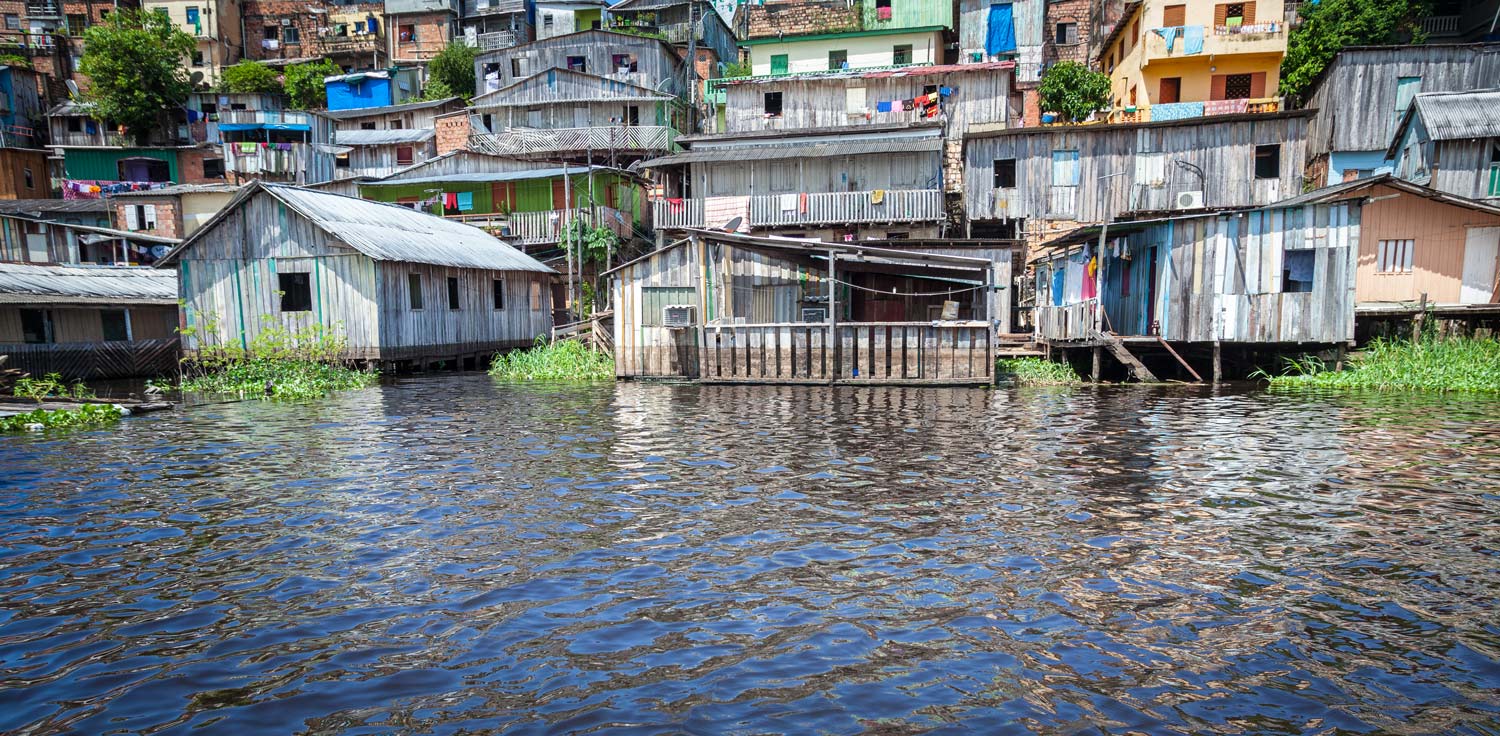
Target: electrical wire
913,293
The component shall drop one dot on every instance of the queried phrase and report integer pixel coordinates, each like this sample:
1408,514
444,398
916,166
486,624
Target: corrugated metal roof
360,112
1453,115
382,137
37,283
913,70
1345,190
385,232
813,150
491,176
181,189
28,206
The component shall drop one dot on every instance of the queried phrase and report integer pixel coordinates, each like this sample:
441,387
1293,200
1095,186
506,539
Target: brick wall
259,14
1067,11
452,131
190,164
433,31
799,18
168,215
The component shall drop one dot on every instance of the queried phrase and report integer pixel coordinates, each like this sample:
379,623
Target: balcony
1441,26
43,9
264,117
499,7
276,160
1256,38
1187,110
826,208
362,44
496,40
618,138
547,226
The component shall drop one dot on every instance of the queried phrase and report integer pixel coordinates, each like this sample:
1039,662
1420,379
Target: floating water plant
1430,364
82,416
1036,372
278,364
561,361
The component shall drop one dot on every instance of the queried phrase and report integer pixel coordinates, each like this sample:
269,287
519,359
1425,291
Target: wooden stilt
1218,363
1094,371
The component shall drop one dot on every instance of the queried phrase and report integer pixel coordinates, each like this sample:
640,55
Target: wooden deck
951,353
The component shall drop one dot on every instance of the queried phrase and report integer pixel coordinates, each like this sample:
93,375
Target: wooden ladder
1117,349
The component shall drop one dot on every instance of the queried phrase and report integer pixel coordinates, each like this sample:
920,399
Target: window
1065,168
1170,91
773,104
1174,15
515,67
578,63
113,323
779,64
75,125
273,33
403,155
198,58
140,216
397,124
213,168
1406,89
12,22
367,126
498,287
1125,274
1066,34
838,59
623,63
1005,173
414,290
30,180
296,292
901,54
76,24
1233,15
36,326
1297,271
897,235
548,22
1236,87
453,292
407,33
631,114
1268,161
291,35
341,161
1494,172
1394,256
536,296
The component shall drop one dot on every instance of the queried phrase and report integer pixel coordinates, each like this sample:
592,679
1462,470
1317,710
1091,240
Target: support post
1094,371
833,315
1218,363
1419,318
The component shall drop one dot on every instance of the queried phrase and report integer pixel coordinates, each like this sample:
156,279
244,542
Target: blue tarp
229,127
1001,38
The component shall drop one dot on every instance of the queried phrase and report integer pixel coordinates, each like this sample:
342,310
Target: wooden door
1481,251
1171,90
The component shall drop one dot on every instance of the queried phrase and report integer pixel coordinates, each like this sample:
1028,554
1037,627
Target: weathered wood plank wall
980,97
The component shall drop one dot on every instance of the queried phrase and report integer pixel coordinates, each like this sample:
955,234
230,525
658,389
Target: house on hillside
1176,59
26,237
1361,96
524,203
402,287
562,17
377,141
1450,141
88,322
378,88
644,62
707,30
172,212
490,25
419,29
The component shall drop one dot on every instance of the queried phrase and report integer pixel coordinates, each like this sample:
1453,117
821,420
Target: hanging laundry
802,203
1000,37
1168,34
882,107
788,202
192,116
465,201
1192,39
450,201
945,91
877,196
921,99
1059,285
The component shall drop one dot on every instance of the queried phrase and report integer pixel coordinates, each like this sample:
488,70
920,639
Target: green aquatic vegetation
51,384
561,361
278,364
82,416
1036,372
1430,364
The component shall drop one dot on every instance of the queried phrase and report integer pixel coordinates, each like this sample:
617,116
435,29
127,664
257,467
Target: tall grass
1036,372
278,364
1431,364
561,361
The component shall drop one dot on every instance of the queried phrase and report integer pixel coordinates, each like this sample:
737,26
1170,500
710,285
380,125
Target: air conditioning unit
678,316
815,314
1188,201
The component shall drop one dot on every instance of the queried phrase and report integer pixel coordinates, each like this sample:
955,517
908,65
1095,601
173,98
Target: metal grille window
1237,87
1394,256
901,54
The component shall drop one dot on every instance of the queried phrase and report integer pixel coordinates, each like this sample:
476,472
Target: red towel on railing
802,202
675,203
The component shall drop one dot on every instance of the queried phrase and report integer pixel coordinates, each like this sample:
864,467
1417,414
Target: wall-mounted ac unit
679,315
816,314
1188,201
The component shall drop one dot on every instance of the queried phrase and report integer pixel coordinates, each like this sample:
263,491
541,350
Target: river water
451,555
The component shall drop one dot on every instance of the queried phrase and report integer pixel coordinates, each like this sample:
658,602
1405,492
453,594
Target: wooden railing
1069,322
265,160
500,7
777,210
547,226
511,141
280,117
896,205
496,40
855,352
1441,25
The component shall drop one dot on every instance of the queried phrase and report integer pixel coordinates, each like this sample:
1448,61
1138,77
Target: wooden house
290,146
557,113
490,25
678,21
644,62
88,322
962,97
561,17
1360,97
722,308
31,237
1096,173
22,114
1019,34
821,35
172,212
402,287
1450,141
526,203
833,184
1268,276
377,141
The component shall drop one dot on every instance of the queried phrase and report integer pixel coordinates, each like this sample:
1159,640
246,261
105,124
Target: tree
249,77
1073,90
304,83
1330,25
453,68
134,64
436,89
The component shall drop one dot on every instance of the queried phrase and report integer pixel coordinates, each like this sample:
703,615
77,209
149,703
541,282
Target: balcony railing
1438,26
264,117
1255,38
500,7
496,40
547,226
825,208
1185,110
349,45
275,160
527,141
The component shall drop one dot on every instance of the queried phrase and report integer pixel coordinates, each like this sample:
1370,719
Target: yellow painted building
216,26
1201,57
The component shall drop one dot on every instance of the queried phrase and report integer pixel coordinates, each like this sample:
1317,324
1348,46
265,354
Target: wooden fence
546,226
1071,322
895,205
526,141
861,352
125,359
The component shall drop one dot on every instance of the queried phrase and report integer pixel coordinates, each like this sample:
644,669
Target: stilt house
401,286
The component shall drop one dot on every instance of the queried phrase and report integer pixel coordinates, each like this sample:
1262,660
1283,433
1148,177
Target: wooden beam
1184,363
1117,349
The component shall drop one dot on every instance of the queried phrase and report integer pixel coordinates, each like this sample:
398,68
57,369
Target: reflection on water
450,555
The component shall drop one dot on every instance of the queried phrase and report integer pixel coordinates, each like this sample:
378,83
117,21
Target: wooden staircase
1017,345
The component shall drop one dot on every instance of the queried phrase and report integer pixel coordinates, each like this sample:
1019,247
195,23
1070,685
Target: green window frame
779,64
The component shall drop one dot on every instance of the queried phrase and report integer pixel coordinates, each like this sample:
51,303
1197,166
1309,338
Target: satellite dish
196,79
72,87
733,225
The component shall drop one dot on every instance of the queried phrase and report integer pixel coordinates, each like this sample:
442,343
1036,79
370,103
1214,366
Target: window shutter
149,219
132,220
1216,90
1257,85
1250,12
1174,15
1221,15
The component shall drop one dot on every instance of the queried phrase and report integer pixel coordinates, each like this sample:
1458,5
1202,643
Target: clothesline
912,293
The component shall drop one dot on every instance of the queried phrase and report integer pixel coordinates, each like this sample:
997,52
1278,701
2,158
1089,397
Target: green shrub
562,361
278,364
1430,364
1036,372
1073,90
251,77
